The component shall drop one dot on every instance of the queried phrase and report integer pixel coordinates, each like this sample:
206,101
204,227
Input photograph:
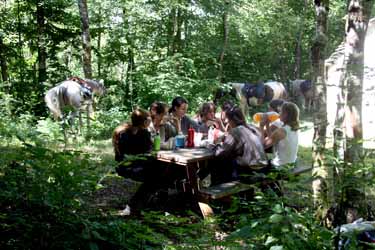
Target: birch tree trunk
225,41
348,124
321,199
86,39
358,16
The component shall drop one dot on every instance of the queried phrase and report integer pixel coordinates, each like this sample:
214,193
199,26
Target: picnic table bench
229,188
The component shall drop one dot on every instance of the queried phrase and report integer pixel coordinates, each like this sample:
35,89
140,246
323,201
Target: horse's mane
78,80
116,136
93,85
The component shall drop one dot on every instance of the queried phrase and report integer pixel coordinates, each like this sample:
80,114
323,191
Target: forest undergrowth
58,196
66,195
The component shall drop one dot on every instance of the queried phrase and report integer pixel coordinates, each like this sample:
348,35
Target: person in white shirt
285,138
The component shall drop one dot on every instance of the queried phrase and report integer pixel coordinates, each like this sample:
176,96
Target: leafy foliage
145,51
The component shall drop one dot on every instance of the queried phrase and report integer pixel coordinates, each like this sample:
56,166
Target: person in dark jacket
132,145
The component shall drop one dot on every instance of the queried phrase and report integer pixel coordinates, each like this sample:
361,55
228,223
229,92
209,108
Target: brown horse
251,94
302,93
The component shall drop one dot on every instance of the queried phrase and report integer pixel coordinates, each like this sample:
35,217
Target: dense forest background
148,50
64,194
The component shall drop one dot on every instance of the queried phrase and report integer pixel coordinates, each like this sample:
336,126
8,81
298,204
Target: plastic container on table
271,116
180,141
157,140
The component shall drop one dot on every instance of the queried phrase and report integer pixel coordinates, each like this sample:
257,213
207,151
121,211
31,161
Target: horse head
97,87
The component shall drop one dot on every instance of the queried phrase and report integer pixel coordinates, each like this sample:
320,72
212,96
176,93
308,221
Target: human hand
264,121
213,122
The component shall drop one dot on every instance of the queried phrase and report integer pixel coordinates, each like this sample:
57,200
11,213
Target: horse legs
88,112
80,122
71,122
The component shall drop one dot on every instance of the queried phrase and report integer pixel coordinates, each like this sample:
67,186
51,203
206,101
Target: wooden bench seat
234,187
224,189
229,188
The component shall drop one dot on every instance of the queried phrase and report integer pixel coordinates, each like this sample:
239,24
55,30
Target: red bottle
190,138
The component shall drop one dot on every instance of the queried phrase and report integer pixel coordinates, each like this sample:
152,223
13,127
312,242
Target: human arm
167,134
274,137
186,123
226,148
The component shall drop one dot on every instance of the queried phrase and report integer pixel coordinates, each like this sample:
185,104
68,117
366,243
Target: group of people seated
241,149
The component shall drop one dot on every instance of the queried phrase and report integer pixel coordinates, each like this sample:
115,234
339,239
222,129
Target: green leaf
276,218
277,248
270,240
93,246
278,209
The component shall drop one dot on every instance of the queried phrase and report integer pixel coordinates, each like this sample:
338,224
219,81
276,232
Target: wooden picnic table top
185,155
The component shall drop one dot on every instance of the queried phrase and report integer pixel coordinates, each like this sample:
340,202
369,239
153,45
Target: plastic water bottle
157,142
180,140
271,116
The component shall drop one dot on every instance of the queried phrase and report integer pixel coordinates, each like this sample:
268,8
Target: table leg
191,171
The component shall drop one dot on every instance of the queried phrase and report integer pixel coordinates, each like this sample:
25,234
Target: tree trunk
321,199
297,65
42,54
348,124
130,66
99,40
20,42
225,41
172,27
177,45
184,42
3,62
356,26
86,40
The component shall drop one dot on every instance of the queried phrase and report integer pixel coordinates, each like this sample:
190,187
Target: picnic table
191,159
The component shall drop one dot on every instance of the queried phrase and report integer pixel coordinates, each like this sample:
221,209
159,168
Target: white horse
75,94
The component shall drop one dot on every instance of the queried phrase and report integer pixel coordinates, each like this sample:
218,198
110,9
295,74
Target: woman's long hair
138,117
116,136
292,115
159,108
276,105
206,108
177,102
235,115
